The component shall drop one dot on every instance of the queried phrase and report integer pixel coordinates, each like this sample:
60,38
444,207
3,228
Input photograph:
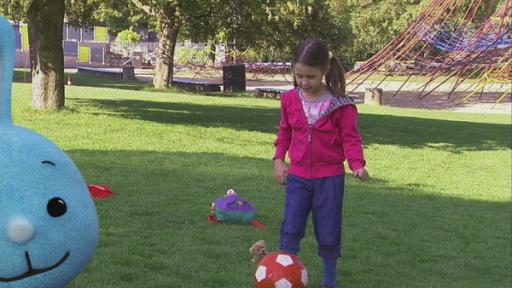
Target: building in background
96,47
81,46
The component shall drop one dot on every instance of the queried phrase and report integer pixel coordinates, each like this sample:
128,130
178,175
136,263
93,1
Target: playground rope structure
443,48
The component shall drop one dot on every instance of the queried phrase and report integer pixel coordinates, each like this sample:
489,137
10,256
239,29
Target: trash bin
233,77
128,72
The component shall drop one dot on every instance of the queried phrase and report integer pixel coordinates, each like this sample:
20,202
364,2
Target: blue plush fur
48,222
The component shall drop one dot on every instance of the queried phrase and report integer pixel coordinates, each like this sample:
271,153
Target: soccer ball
280,270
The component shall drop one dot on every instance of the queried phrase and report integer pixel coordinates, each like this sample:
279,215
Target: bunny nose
20,230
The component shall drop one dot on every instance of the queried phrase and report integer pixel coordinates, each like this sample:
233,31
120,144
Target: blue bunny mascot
48,221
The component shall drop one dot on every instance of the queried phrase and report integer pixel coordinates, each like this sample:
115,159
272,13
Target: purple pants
323,196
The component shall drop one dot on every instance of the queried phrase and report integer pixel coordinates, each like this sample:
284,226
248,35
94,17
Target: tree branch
146,8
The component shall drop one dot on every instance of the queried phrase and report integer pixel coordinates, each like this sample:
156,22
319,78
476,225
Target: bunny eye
56,207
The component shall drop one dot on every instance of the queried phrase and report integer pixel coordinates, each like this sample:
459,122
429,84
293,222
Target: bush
128,36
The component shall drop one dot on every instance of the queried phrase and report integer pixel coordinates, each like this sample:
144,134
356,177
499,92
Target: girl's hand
361,173
280,171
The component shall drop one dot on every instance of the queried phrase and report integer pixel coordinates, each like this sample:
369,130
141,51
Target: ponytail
335,78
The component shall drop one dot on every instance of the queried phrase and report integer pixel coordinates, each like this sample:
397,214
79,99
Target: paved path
407,98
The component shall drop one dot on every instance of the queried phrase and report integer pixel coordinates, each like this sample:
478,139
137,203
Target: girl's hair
313,52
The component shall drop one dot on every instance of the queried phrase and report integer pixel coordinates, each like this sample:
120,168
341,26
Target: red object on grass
257,224
100,191
212,219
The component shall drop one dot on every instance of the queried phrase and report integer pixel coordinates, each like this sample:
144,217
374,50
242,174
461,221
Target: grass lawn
436,213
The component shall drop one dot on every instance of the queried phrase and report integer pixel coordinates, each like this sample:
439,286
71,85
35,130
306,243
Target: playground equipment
448,45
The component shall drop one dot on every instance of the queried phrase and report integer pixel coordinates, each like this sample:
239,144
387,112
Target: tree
240,28
373,23
273,27
290,22
201,21
46,20
170,19
120,15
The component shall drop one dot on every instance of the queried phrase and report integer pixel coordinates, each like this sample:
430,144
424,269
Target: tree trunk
169,28
46,20
211,55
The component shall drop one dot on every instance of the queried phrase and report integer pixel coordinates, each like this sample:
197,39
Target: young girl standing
318,129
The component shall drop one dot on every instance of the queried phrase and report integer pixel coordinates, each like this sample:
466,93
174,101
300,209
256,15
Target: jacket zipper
310,143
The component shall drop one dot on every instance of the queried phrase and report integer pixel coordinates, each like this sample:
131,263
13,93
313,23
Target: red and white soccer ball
280,270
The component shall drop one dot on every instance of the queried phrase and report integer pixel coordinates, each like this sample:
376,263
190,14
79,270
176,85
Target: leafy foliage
15,9
353,29
376,22
291,22
78,12
128,35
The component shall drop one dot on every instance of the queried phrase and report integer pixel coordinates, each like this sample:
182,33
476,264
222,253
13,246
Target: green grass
436,213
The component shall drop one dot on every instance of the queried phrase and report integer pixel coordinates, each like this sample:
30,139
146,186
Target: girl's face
308,78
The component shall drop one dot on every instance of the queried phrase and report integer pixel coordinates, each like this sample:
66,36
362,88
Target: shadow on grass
411,132
447,135
156,227
24,76
242,118
101,82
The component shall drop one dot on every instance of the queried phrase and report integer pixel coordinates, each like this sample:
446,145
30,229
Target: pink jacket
318,150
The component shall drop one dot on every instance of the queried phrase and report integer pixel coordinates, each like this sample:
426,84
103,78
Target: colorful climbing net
448,44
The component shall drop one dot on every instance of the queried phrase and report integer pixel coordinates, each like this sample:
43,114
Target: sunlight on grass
436,212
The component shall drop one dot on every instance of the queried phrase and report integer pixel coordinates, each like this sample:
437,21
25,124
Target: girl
318,128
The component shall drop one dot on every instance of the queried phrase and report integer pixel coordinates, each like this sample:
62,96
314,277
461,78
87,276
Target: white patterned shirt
314,109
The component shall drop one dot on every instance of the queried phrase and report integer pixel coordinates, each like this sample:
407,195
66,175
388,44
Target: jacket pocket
298,150
328,145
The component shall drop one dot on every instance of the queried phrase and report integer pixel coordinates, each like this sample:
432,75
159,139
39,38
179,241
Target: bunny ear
7,57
